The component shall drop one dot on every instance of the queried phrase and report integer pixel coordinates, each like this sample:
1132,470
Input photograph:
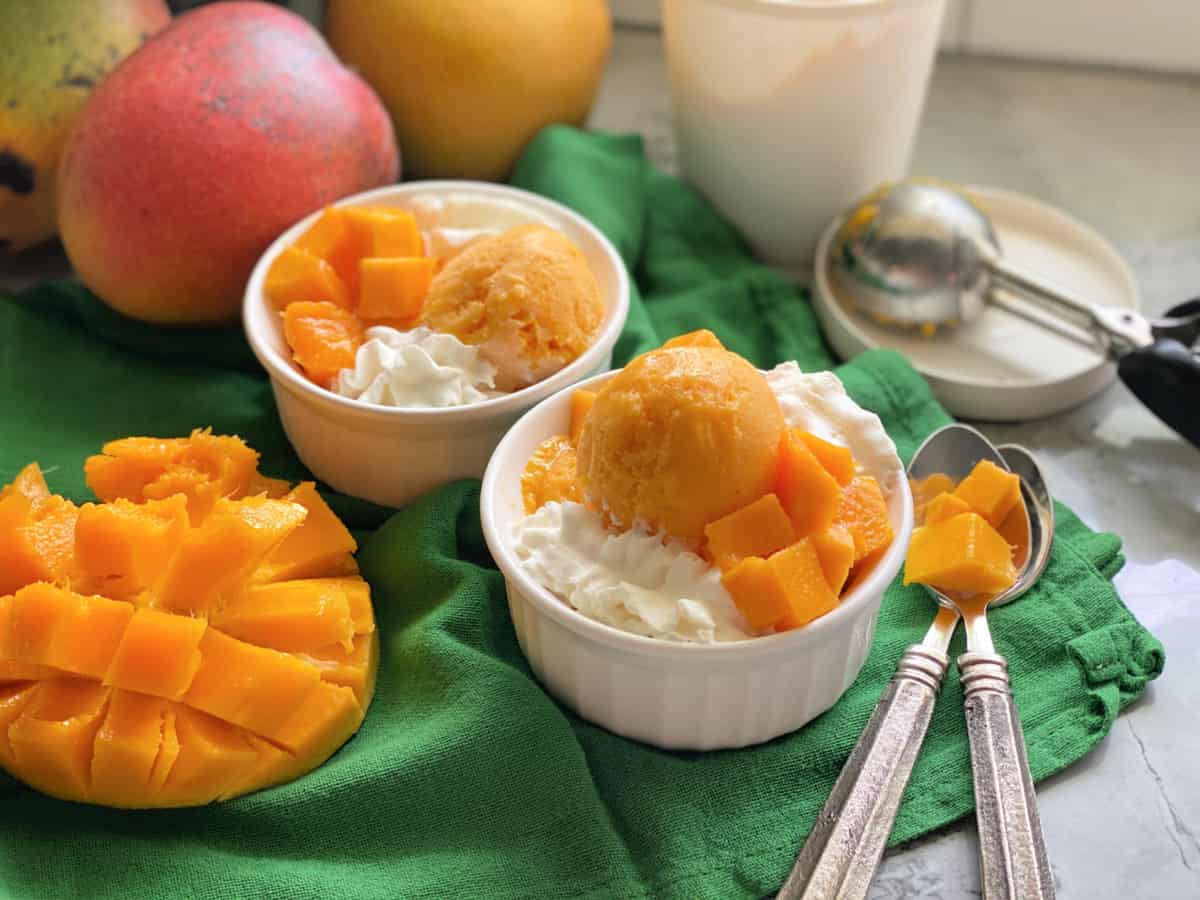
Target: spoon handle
843,850
1012,852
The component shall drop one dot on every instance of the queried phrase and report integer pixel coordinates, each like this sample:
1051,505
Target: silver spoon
843,850
920,253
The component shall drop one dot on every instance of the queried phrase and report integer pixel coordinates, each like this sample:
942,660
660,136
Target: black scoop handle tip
1165,376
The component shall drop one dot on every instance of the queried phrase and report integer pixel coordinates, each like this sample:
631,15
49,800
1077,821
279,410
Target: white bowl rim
285,374
844,616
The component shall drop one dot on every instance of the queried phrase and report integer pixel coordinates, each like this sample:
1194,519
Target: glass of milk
787,111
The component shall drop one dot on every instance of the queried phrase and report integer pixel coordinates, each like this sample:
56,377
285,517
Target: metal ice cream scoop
921,253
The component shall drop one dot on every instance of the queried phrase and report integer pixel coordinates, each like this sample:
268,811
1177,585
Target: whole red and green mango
470,82
52,54
201,148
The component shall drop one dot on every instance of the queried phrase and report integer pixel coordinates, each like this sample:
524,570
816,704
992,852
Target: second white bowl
676,695
389,455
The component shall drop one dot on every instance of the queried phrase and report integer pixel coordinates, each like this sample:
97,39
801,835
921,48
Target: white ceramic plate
1002,367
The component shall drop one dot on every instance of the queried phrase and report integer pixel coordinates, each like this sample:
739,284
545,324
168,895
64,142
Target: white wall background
1150,34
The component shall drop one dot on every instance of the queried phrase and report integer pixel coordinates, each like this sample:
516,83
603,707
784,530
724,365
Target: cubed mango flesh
786,591
990,491
925,489
332,239
582,402
837,460
393,289
297,275
324,339
381,231
943,507
125,696
123,547
759,529
863,512
809,494
964,554
835,550
315,547
550,475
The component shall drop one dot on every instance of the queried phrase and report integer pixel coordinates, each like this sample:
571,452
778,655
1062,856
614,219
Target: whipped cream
637,581
634,581
450,222
416,368
817,402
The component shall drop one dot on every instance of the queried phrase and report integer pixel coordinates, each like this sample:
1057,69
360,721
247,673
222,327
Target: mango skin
52,54
197,151
470,82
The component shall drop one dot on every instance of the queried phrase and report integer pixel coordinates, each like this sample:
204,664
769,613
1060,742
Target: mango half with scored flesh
181,649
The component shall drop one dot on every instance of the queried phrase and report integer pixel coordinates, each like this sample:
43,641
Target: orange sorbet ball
679,438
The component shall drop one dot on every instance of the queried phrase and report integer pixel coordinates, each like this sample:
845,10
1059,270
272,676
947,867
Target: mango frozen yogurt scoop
680,437
525,297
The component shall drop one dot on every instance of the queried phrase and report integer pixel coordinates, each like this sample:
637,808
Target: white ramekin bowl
675,695
390,455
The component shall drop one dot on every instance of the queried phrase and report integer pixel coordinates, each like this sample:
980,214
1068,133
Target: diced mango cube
36,539
786,591
759,529
864,513
382,231
212,756
315,547
254,687
168,752
582,402
943,507
925,489
123,548
835,550
963,554
51,742
86,640
393,288
218,556
158,654
702,337
354,668
551,475
837,460
124,467
290,615
990,491
331,238
13,700
126,748
807,491
324,339
297,275
34,615
358,599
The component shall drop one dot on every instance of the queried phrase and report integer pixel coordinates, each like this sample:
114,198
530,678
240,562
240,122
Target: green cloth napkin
467,779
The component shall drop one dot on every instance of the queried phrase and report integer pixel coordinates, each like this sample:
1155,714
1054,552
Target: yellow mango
29,483
314,547
837,460
354,669
809,494
126,748
864,513
158,654
290,615
254,687
963,554
13,699
943,507
86,639
990,491
212,755
925,489
786,591
35,613
393,289
551,475
168,753
52,740
758,529
123,547
218,556
296,275
36,539
384,231
835,550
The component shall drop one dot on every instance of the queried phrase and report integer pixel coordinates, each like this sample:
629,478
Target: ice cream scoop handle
843,849
1012,853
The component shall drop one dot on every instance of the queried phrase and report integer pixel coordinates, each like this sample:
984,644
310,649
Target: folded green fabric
467,779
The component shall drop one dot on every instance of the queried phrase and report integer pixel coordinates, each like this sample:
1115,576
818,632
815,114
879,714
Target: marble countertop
1119,151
